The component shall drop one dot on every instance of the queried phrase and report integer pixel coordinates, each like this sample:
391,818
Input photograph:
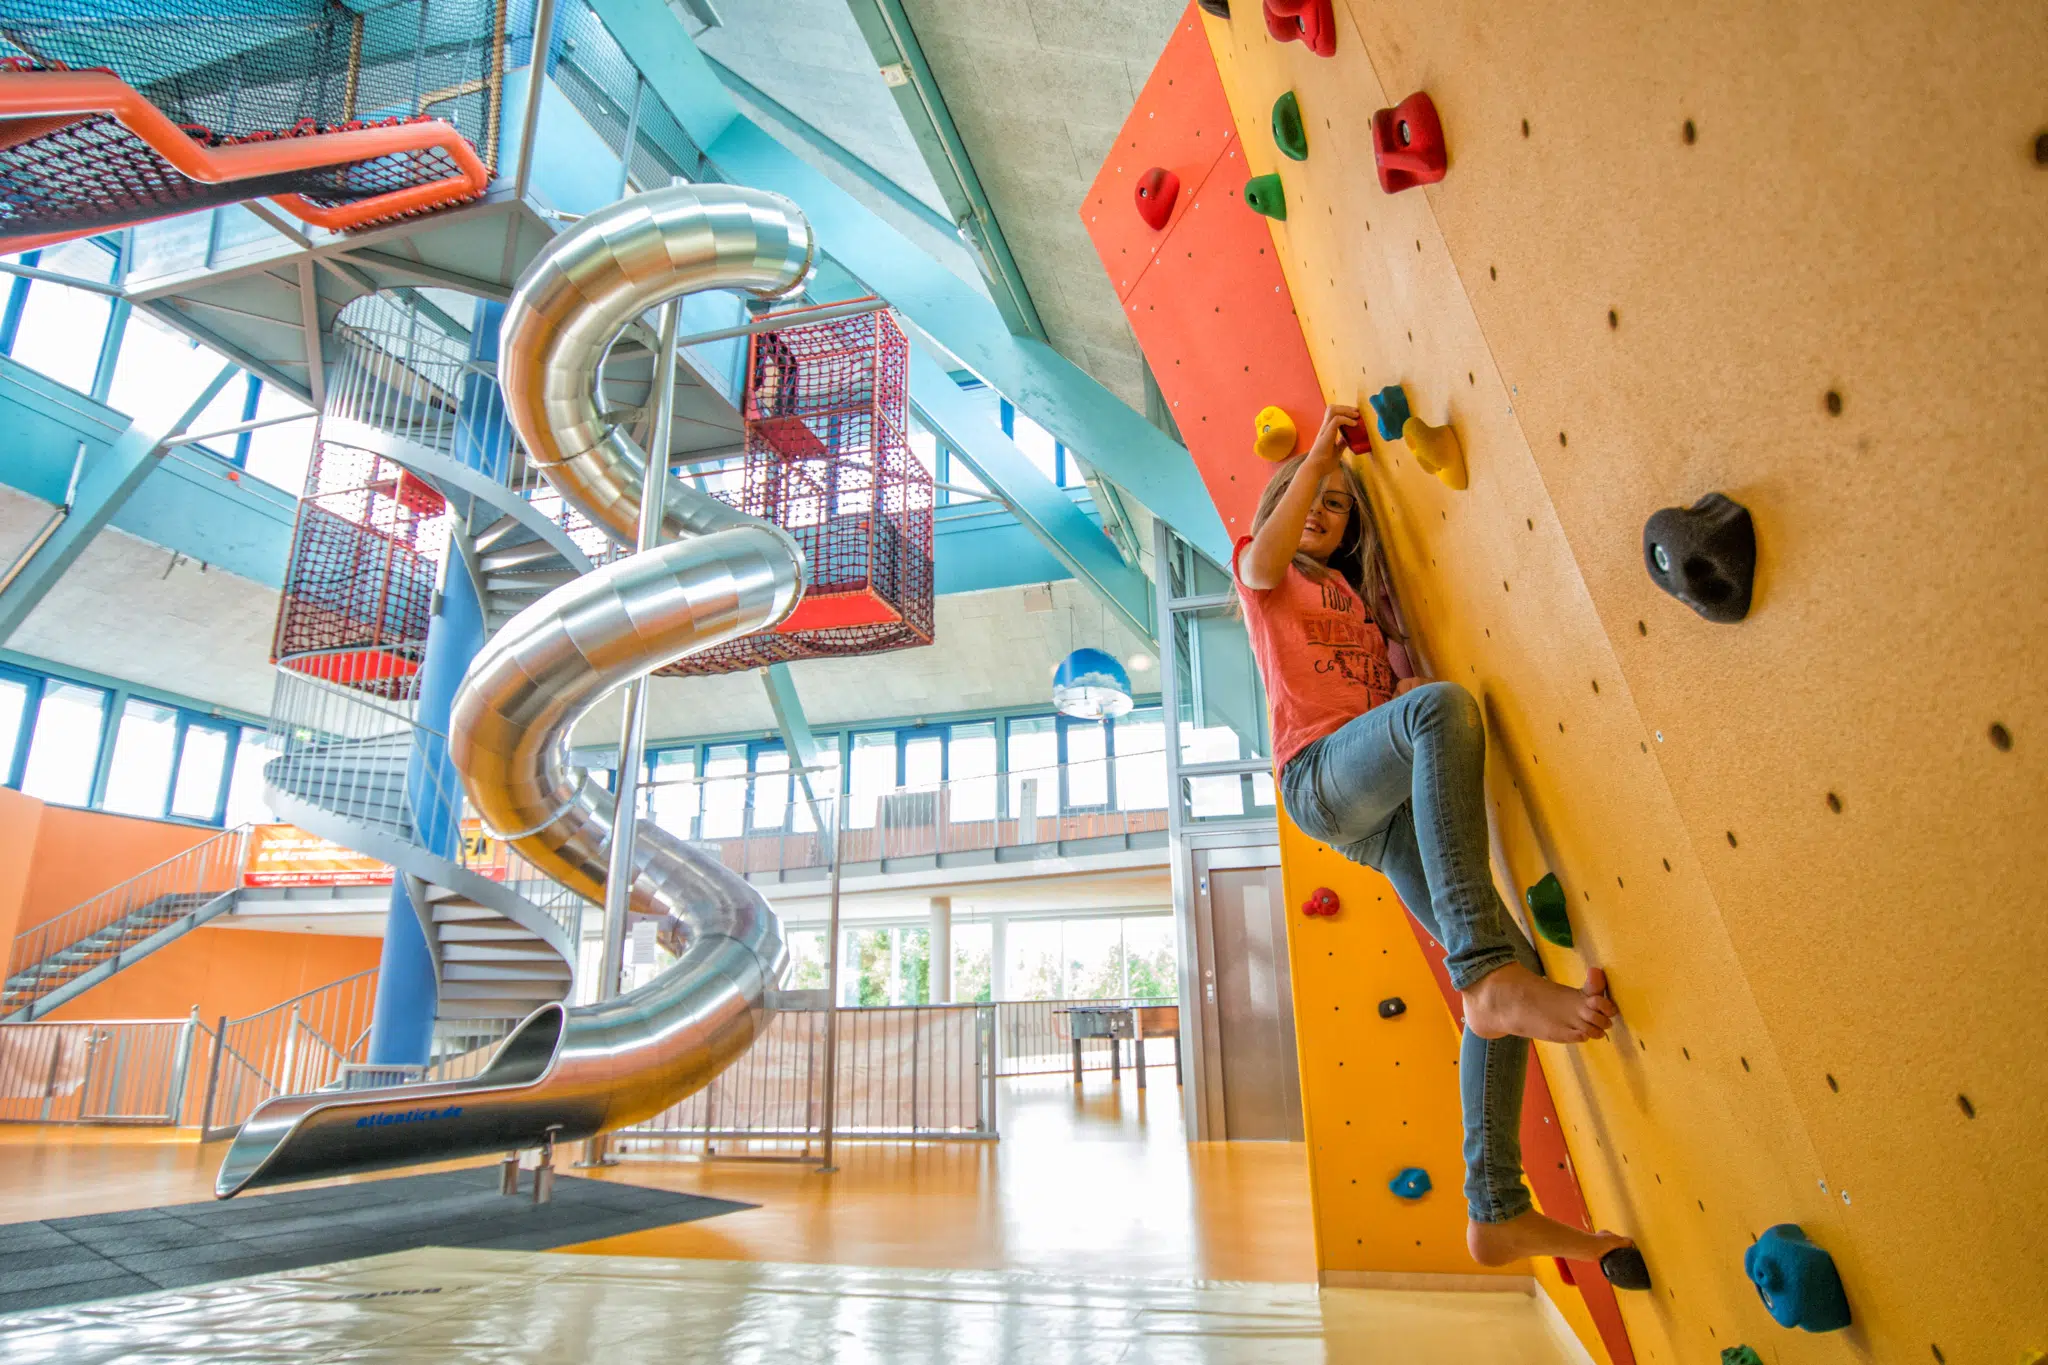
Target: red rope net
828,460
359,588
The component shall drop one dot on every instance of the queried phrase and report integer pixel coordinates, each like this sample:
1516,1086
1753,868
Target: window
1150,958
61,330
202,769
873,774
248,801
1092,959
807,964
824,786
278,455
161,370
971,768
1034,757
725,792
144,749
673,798
1033,969
65,747
1087,766
771,789
972,951
924,760
1038,445
14,713
1141,760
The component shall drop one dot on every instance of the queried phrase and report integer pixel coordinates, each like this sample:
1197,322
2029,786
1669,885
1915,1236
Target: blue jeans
1401,789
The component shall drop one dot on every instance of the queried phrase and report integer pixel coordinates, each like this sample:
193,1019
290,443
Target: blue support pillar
402,1029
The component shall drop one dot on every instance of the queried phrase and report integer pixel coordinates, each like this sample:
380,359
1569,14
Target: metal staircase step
531,554
509,953
526,579
497,931
477,971
503,533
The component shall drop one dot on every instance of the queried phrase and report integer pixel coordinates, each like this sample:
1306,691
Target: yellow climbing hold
1437,450
1273,434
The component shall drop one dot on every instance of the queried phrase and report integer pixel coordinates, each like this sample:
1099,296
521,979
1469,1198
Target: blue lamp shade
1091,685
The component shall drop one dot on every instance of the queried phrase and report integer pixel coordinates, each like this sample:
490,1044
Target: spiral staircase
503,936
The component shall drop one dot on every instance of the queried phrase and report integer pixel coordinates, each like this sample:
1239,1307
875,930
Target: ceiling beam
909,77
1040,505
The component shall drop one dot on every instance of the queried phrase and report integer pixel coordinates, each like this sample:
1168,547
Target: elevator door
1254,1005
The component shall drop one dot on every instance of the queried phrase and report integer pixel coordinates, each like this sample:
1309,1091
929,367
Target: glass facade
76,743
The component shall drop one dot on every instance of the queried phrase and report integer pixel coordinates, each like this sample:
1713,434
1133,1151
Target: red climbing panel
1548,1166
1206,298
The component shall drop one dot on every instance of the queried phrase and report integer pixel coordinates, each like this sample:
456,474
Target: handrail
217,862
302,997
59,95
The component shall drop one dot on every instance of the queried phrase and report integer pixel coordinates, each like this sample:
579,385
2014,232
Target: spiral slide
568,1073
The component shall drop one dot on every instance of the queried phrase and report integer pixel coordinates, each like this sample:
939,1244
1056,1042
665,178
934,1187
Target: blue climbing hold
1412,1183
1797,1280
1390,409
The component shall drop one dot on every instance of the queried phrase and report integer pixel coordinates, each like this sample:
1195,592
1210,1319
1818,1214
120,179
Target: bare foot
1515,1002
1534,1235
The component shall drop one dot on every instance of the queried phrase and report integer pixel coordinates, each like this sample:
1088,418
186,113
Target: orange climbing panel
1205,297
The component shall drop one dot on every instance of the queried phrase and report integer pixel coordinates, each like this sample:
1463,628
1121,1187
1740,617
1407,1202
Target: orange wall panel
21,819
80,853
232,972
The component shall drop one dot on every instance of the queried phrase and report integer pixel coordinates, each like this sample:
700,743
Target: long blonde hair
1360,558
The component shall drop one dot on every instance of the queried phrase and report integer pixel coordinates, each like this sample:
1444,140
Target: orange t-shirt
1321,656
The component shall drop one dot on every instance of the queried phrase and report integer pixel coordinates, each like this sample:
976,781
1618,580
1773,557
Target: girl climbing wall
1388,770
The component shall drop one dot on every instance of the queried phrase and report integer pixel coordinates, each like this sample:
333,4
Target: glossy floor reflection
1098,1180
501,1307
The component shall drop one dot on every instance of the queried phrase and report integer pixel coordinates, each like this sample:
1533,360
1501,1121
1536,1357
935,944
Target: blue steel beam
1036,501
1116,442
797,738
106,486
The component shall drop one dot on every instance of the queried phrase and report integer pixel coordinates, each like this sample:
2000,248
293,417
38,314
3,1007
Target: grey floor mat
105,1255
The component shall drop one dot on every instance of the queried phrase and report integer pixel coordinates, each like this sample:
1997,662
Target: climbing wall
1791,254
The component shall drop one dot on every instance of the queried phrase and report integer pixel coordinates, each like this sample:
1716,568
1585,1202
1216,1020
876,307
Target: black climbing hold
1546,904
1265,195
1393,1007
1219,8
1624,1269
1704,555
1288,133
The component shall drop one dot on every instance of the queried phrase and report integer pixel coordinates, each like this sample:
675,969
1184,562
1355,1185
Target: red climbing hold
1408,144
1357,437
1322,901
1157,190
1312,23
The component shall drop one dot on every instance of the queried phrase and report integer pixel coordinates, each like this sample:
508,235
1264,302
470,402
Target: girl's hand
1329,442
1406,685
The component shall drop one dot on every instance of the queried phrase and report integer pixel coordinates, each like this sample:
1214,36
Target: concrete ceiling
1038,90
136,611
993,650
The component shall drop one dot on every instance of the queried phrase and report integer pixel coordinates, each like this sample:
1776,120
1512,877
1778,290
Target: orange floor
1095,1181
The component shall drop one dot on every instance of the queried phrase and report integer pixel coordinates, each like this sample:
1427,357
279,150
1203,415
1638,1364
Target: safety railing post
220,1042
174,1103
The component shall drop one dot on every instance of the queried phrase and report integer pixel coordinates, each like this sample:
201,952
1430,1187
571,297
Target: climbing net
230,74
828,459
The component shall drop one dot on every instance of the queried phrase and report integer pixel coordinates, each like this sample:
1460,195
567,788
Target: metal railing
66,946
905,1072
295,1046
1018,810
353,754
121,1071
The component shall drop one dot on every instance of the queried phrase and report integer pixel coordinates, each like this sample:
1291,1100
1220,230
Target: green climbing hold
1740,1355
1264,194
1288,132
1547,905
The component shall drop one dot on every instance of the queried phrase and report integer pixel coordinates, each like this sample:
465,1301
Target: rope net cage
235,72
359,588
828,459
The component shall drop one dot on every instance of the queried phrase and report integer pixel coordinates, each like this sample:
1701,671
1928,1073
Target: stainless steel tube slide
567,1074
